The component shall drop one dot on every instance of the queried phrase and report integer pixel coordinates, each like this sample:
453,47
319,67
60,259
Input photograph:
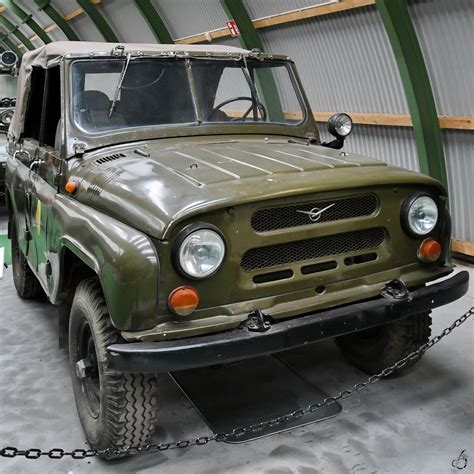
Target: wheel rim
89,379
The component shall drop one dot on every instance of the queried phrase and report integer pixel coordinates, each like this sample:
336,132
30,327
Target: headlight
340,125
200,251
6,117
420,215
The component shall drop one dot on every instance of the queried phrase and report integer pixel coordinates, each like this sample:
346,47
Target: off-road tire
375,349
26,284
126,404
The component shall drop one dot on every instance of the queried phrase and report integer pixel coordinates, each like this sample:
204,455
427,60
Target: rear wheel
115,409
375,349
26,284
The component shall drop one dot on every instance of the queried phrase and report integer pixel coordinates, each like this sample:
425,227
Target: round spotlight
6,117
340,125
8,58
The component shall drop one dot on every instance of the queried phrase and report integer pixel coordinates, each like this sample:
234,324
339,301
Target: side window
34,104
43,110
51,107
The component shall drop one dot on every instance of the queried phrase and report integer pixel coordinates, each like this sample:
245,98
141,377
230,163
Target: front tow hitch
257,321
395,289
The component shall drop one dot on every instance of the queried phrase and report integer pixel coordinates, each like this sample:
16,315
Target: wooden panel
463,246
311,12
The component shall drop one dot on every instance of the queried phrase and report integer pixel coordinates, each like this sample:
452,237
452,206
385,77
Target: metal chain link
34,453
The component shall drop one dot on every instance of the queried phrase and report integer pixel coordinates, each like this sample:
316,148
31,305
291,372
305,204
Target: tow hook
257,321
395,289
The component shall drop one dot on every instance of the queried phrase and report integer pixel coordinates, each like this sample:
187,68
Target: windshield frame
93,140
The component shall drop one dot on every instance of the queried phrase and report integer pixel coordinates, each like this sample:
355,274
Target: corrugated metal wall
346,64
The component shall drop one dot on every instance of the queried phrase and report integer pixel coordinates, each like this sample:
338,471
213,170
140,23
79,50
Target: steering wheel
260,108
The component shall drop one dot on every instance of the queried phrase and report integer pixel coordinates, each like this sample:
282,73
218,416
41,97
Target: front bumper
240,344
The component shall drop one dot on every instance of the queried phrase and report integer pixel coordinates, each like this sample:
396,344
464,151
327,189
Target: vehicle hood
152,186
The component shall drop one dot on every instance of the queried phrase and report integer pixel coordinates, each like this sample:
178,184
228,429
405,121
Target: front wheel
375,349
115,409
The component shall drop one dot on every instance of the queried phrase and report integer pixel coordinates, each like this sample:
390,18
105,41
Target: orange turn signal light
70,186
183,300
429,250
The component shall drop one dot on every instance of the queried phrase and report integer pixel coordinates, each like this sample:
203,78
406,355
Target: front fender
124,259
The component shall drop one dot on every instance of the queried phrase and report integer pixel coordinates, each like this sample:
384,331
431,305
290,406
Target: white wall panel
345,61
189,17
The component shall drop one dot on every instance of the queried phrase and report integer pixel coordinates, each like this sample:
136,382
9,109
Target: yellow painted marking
38,218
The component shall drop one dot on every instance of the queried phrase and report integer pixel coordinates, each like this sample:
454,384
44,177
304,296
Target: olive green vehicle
178,206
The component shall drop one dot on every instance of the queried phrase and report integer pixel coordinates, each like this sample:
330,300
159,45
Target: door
44,172
38,163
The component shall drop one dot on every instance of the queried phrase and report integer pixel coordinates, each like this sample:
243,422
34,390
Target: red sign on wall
232,25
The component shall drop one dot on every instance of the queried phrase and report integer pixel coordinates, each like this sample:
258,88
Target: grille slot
3,171
310,249
283,217
318,267
106,159
358,259
273,276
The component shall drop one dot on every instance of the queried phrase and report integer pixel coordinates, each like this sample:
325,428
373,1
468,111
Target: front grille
273,218
310,249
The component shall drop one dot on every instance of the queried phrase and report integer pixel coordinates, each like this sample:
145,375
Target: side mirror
340,126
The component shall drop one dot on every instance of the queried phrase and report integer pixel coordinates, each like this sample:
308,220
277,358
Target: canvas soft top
51,54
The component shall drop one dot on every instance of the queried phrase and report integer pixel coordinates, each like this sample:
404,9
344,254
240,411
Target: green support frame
27,19
99,21
15,30
154,21
10,45
57,18
250,39
416,82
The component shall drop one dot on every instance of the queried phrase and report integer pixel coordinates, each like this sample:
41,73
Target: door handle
21,152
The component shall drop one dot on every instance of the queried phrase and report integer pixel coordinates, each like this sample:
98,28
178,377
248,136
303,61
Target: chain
56,453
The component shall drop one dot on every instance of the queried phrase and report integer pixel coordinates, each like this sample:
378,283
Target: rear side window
34,104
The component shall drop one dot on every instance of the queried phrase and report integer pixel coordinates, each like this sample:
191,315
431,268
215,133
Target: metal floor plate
248,392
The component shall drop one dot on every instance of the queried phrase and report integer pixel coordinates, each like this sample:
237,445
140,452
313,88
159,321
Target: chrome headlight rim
182,236
405,213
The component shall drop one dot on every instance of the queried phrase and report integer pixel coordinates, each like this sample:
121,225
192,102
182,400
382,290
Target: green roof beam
57,18
28,19
15,30
406,47
99,21
250,39
154,21
11,46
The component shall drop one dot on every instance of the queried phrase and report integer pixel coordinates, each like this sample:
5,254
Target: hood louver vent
106,159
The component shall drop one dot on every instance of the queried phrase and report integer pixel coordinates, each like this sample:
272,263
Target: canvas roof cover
51,54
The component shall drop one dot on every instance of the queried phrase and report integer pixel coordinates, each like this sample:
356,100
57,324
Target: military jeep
178,206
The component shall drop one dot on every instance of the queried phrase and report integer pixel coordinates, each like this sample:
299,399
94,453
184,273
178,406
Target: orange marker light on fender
70,186
429,250
183,300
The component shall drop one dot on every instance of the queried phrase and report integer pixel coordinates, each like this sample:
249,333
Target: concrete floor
417,423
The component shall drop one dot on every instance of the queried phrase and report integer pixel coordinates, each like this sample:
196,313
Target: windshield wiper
119,84
253,89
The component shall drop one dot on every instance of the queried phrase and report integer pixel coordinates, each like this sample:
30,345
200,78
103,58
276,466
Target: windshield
114,94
